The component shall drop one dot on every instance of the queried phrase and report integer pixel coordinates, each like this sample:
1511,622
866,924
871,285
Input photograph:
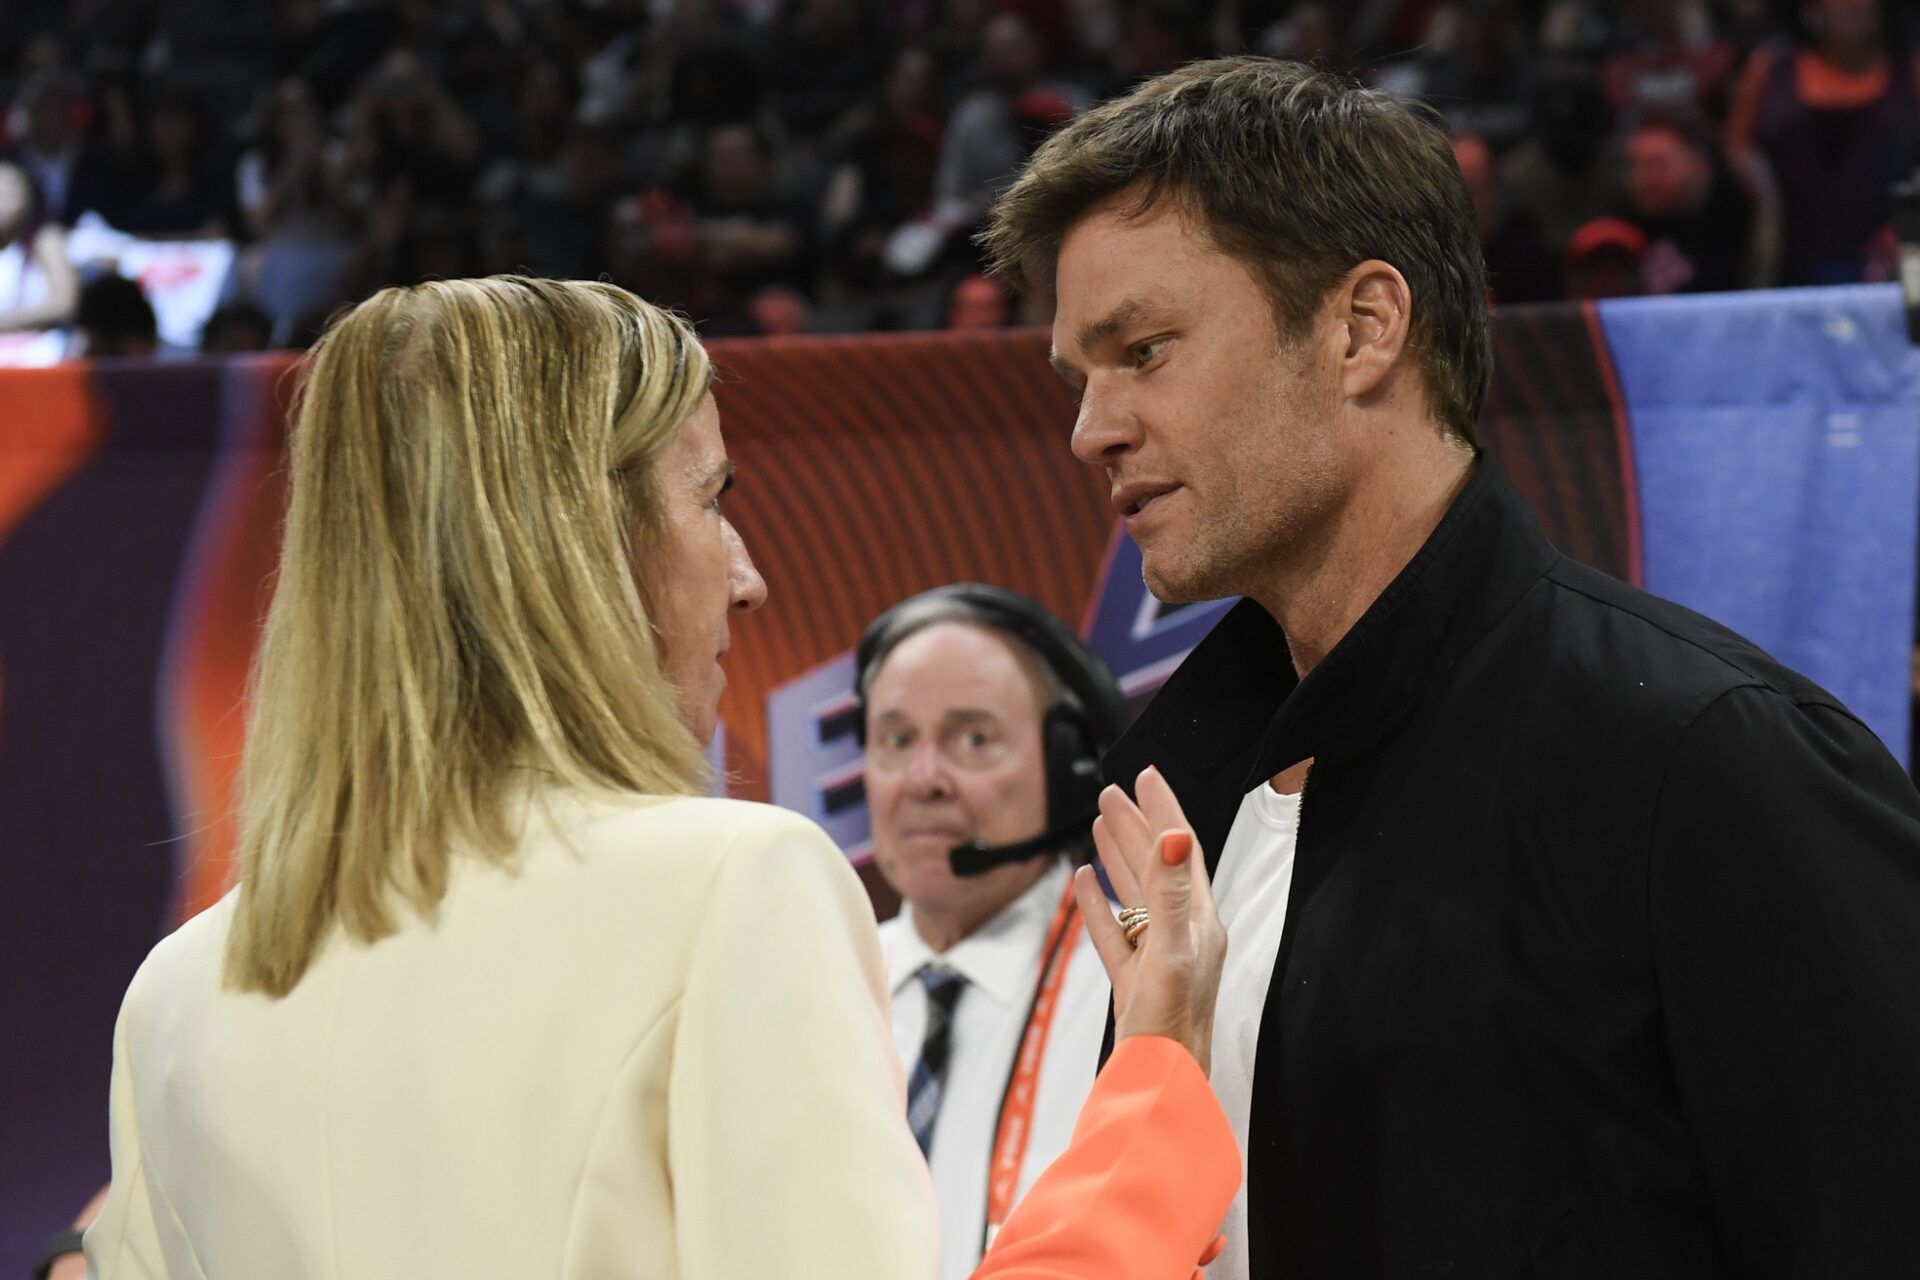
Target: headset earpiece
1072,763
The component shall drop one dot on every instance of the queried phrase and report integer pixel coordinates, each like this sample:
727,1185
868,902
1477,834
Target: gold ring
1134,921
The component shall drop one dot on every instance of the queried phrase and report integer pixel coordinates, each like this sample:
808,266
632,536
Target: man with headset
984,719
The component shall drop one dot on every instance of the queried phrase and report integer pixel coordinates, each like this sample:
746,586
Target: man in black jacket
1572,936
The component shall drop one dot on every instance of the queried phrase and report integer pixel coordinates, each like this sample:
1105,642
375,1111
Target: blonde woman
498,993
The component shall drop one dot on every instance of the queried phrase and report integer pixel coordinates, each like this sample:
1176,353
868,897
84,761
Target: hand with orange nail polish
1166,979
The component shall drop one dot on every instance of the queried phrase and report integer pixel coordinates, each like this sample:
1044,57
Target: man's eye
1145,353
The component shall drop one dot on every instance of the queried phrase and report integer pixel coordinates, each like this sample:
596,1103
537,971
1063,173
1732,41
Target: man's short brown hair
1299,173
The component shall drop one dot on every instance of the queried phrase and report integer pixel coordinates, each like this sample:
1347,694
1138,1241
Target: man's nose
1106,428
927,771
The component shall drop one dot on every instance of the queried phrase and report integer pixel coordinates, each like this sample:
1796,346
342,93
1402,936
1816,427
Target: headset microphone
977,857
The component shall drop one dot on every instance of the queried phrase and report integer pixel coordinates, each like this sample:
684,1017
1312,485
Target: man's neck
1387,518
945,926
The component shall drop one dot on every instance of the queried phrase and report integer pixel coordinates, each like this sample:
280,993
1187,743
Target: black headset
1072,737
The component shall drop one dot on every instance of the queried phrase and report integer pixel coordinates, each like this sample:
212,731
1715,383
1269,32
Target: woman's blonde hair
473,497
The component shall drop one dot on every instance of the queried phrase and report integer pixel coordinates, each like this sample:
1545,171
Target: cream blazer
658,1048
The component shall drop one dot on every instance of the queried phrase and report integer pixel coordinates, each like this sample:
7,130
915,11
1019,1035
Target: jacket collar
1234,712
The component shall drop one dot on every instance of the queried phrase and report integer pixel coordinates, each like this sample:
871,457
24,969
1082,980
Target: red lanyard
1015,1126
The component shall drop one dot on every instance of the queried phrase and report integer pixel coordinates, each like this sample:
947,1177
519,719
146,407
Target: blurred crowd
783,166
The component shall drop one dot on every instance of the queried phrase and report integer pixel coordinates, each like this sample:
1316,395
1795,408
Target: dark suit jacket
1602,956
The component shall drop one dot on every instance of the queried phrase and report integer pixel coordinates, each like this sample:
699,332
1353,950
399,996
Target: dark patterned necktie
930,1073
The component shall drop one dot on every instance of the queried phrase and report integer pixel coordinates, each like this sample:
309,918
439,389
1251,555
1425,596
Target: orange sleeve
1140,1192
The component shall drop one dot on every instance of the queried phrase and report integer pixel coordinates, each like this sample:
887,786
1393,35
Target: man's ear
1375,305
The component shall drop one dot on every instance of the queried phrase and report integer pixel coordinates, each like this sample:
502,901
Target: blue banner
1776,438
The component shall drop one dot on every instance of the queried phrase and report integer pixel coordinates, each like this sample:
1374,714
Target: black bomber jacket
1602,952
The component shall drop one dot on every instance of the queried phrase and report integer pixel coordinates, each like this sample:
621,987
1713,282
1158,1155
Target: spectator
883,178
235,328
72,175
1557,175
1604,260
183,192
1479,80
1698,220
831,55
289,188
779,311
748,235
978,302
713,76
1521,267
572,137
287,183
994,128
409,134
1837,119
1672,61
565,208
38,288
544,108
606,47
115,319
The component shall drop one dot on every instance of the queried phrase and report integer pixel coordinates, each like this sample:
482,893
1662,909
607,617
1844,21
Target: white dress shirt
1001,963
1250,886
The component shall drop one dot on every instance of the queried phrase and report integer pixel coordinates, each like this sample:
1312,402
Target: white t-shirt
1250,885
1001,962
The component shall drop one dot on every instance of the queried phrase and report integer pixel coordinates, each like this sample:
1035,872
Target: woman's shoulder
708,856
696,835
188,958
711,821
